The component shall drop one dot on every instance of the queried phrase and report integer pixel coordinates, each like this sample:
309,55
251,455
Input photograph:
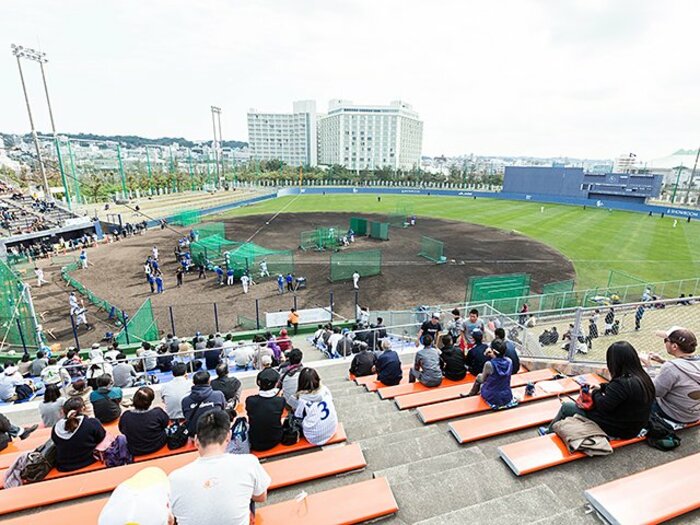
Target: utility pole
216,112
692,176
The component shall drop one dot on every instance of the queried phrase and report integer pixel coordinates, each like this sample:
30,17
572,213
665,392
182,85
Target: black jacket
265,421
619,407
453,363
362,364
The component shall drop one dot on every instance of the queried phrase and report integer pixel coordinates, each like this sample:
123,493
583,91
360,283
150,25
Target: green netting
113,312
558,295
344,264
208,229
401,215
627,287
379,230
141,327
501,291
211,249
358,225
321,238
187,218
432,249
249,256
17,319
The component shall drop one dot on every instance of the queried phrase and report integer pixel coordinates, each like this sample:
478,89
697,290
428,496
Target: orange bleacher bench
364,380
437,395
651,496
473,405
284,472
390,392
345,505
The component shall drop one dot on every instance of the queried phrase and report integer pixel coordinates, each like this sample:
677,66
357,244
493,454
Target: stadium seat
473,405
390,392
284,472
349,504
651,496
437,395
367,380
504,421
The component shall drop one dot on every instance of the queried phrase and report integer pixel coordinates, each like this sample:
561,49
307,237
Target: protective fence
321,238
208,229
626,287
557,295
210,249
187,218
358,225
365,262
253,258
18,324
432,249
379,230
112,311
141,327
400,217
501,291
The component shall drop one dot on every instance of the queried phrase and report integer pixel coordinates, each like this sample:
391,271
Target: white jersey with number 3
320,417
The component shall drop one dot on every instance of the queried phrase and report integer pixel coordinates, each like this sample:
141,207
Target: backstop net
558,295
17,319
365,262
432,249
210,250
358,225
250,257
142,326
207,229
400,217
321,238
186,218
379,230
502,292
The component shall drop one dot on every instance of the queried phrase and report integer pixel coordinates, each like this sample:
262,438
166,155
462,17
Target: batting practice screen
366,263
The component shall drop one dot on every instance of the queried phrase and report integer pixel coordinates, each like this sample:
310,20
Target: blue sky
585,78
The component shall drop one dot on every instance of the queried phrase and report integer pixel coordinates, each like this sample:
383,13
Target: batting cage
207,229
142,326
558,295
365,262
358,225
249,256
501,291
401,216
321,238
187,218
18,324
379,230
210,249
432,249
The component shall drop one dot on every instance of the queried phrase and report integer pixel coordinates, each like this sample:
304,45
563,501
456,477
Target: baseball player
356,280
280,284
39,272
78,311
264,272
229,277
245,281
83,258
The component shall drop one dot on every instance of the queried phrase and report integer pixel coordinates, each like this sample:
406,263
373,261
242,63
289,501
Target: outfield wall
572,201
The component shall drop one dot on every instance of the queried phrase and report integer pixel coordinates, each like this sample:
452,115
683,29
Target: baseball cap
436,315
267,379
266,360
95,346
684,338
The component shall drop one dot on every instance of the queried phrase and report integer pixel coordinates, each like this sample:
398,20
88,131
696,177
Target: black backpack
660,435
39,463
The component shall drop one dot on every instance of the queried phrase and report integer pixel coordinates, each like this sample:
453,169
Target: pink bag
102,447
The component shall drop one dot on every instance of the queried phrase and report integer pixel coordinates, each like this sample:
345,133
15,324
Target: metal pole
63,172
75,332
21,336
692,176
331,305
121,171
216,317
126,326
221,155
46,90
295,302
214,144
357,300
150,172
78,196
47,189
257,314
189,168
172,320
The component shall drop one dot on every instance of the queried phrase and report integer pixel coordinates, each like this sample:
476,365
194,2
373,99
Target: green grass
595,240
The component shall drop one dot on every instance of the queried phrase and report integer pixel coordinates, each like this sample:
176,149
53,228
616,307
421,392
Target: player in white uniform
264,272
78,310
356,280
245,281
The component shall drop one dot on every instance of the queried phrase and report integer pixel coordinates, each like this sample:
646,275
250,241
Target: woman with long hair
76,436
622,406
315,408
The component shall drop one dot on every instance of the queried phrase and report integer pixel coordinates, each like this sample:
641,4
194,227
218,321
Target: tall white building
289,137
369,137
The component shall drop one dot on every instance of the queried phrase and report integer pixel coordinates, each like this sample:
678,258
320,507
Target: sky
579,78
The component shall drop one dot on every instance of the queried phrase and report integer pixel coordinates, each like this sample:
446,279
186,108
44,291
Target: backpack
176,435
291,431
117,454
239,444
660,435
39,463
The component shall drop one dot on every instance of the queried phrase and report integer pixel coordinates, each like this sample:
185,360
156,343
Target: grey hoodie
60,428
678,389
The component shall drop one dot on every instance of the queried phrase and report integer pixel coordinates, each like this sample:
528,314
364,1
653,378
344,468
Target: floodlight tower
216,117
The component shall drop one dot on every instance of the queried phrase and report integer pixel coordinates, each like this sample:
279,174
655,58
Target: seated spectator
184,354
212,355
54,374
74,365
332,346
200,400
217,484
13,387
95,369
284,341
378,335
494,381
262,353
230,386
142,499
289,381
96,353
276,351
174,391
39,364
76,436
51,409
476,356
80,388
124,373
24,367
452,360
228,345
426,365
242,355
315,408
678,382
8,431
622,406
345,345
388,365
106,400
363,363
148,358
318,334
511,351
164,361
112,353
144,427
265,412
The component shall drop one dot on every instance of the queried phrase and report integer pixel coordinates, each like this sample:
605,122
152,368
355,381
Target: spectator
54,374
452,360
265,412
494,381
228,345
378,335
289,381
106,400
284,341
344,347
149,357
320,420
144,427
51,409
74,365
76,436
124,373
293,317
200,400
363,363
242,356
512,352
95,369
24,367
476,356
678,381
333,342
456,329
276,351
432,328
471,324
184,354
217,484
113,352
230,386
388,365
9,431
164,361
212,355
39,364
80,388
173,392
96,352
426,366
622,406
141,499
13,387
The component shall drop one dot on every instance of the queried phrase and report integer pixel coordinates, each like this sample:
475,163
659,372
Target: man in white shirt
356,280
245,282
173,392
333,342
217,487
243,355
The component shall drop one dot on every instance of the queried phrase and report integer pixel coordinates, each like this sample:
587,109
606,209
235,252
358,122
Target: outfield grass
595,240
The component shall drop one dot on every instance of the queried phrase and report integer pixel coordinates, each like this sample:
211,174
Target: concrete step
412,470
351,400
380,425
319,485
524,506
577,515
394,437
356,414
346,388
422,447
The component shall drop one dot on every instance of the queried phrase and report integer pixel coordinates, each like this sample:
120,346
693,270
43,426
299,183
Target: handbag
39,463
585,399
239,444
176,435
291,431
101,448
